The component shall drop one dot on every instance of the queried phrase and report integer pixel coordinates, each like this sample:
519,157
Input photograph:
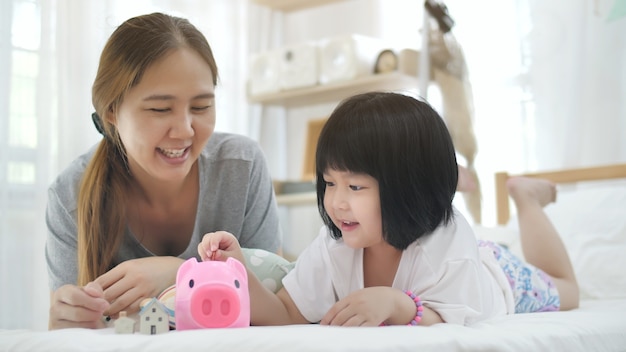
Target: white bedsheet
598,325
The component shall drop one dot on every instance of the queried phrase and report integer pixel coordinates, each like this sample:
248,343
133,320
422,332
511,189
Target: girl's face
166,120
353,203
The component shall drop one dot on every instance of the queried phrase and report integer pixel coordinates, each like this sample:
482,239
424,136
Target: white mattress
598,325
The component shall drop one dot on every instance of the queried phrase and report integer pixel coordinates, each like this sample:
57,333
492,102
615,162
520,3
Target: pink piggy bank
212,294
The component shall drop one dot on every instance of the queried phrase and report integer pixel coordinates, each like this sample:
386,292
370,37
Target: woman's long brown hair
102,198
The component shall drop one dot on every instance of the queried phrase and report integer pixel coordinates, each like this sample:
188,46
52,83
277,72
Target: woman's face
166,120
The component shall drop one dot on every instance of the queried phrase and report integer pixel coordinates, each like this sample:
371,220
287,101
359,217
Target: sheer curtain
49,52
549,82
578,81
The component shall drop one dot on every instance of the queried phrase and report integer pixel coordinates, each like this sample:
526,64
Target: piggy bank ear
235,264
185,268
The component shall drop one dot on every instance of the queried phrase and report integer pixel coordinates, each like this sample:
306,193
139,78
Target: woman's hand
371,306
219,246
77,307
132,281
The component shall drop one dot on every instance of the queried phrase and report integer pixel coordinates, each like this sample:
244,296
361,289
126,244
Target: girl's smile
346,226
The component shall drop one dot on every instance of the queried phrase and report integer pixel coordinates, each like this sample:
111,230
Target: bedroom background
548,81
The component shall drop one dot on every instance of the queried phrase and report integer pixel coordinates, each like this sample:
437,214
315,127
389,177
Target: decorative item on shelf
449,71
618,10
302,192
314,128
348,57
408,61
264,73
298,66
439,11
387,61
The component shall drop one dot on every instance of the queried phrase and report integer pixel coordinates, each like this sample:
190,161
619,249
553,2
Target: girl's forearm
405,311
267,308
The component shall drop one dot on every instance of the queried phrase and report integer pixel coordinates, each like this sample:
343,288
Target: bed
591,217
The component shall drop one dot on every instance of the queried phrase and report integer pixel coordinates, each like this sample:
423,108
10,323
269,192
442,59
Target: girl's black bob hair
405,145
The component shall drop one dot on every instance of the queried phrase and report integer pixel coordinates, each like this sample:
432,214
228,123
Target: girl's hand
219,246
371,306
132,281
77,307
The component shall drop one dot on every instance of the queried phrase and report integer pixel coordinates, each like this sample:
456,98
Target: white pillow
591,220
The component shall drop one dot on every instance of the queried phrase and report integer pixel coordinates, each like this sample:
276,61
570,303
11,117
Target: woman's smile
174,156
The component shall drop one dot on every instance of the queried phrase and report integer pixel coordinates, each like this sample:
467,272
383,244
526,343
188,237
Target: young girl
393,249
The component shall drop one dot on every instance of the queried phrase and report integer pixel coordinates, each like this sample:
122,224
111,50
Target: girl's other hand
219,246
366,307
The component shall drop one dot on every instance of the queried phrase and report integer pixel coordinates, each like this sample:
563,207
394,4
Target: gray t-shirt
236,195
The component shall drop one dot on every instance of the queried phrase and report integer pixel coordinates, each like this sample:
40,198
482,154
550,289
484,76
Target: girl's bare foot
527,190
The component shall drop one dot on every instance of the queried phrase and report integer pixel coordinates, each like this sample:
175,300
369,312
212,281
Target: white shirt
450,273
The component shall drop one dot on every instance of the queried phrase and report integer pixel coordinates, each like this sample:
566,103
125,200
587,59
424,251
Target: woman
125,215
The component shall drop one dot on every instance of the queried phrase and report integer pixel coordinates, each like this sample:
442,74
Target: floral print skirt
533,289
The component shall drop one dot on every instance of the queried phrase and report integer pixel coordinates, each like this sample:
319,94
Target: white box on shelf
298,66
264,75
408,61
348,57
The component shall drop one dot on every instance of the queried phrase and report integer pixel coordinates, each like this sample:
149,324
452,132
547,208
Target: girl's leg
541,243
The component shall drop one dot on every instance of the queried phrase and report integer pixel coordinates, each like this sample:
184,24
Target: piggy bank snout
214,306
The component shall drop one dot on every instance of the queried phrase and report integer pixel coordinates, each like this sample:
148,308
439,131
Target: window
24,161
21,161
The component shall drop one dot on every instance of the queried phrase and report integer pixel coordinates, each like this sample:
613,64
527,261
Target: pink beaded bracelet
418,308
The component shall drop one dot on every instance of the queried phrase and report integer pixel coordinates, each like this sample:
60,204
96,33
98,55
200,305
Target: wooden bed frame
604,172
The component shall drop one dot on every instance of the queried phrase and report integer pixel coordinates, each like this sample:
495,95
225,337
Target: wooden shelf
304,198
293,5
393,81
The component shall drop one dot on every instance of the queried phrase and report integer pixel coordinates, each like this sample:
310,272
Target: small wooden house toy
153,318
124,324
